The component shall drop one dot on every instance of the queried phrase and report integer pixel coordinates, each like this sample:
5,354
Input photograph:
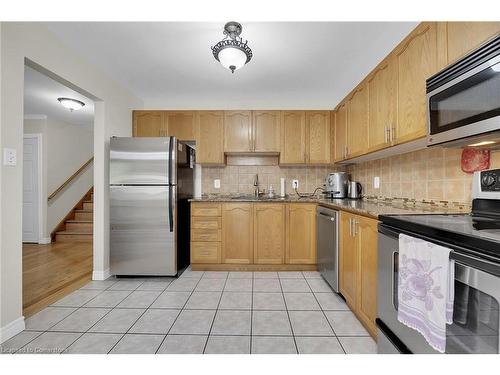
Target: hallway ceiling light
71,104
231,51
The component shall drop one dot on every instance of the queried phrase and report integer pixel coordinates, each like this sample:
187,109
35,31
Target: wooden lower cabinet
253,236
269,233
206,234
300,233
358,267
237,233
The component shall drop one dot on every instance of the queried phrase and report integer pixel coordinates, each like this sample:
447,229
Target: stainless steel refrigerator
151,181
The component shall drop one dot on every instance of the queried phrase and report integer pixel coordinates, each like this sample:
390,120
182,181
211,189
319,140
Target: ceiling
40,98
295,64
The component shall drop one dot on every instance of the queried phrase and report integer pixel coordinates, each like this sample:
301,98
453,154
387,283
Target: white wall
112,117
66,147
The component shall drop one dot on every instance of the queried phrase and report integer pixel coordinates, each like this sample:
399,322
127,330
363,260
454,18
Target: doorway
32,181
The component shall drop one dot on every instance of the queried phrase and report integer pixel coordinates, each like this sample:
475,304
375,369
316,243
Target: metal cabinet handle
387,134
350,227
393,133
356,223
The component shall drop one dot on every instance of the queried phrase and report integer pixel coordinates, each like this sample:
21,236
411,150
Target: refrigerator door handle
170,149
170,208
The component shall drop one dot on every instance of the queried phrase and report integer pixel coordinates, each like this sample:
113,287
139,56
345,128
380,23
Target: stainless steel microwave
463,100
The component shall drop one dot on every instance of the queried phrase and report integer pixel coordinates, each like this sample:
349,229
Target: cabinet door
300,233
348,259
382,101
318,131
266,131
340,136
149,124
358,122
209,132
366,230
269,233
463,37
293,137
237,233
237,131
180,124
416,61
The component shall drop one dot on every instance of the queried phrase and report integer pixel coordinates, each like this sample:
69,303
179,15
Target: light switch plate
217,184
9,156
295,184
376,182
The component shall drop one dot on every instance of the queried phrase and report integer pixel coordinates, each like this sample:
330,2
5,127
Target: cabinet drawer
205,209
205,222
205,252
210,235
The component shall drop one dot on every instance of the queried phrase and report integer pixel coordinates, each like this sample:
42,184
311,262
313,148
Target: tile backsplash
240,179
429,174
426,175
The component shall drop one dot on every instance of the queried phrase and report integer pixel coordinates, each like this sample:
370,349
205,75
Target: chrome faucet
256,186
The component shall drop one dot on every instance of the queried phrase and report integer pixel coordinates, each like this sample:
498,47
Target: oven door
475,328
466,106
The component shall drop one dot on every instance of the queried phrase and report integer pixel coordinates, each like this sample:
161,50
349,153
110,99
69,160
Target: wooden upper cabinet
366,230
348,259
269,233
333,115
382,104
340,134
300,233
266,130
416,60
237,233
357,143
209,135
149,124
318,129
463,37
180,124
238,131
293,137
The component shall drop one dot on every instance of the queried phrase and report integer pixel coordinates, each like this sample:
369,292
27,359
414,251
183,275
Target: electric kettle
354,190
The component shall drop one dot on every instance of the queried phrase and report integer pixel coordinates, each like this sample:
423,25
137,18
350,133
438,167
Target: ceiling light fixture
231,51
71,104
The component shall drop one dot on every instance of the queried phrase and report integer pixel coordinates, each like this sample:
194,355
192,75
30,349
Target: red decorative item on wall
474,160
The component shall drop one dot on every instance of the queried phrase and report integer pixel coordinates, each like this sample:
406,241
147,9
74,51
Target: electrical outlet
376,182
217,184
9,156
295,184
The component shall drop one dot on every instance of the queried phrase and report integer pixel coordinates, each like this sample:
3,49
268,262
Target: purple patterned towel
426,289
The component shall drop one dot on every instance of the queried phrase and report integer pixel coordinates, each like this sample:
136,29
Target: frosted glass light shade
232,58
71,104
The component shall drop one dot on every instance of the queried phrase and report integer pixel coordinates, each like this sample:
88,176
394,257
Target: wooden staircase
78,224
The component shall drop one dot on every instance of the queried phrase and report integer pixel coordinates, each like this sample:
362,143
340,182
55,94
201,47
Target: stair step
79,225
88,206
84,215
72,236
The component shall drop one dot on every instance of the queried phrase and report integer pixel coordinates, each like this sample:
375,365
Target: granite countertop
370,207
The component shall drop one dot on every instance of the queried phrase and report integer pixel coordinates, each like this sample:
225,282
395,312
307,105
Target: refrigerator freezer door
142,161
141,241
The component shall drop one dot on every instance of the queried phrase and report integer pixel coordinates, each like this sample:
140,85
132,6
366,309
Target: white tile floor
200,312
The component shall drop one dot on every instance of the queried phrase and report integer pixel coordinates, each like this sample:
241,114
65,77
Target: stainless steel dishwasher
327,245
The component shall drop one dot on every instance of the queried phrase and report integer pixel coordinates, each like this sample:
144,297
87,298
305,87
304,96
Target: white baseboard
44,241
12,329
101,275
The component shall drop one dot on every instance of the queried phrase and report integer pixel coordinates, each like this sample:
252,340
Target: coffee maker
336,185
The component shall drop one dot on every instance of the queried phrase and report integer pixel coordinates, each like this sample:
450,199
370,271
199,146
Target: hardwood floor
52,271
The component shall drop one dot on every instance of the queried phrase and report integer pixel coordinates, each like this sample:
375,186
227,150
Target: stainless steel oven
476,318
463,100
